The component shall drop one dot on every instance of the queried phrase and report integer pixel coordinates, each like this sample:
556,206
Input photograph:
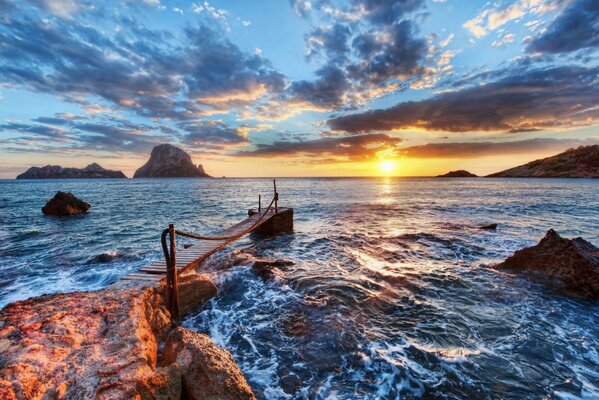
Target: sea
387,289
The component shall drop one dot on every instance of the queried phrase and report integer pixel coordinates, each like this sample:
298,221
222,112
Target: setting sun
387,166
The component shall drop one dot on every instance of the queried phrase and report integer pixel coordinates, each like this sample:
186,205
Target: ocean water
388,294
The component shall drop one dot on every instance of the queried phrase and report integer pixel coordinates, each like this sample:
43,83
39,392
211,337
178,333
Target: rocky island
168,161
92,171
582,162
458,174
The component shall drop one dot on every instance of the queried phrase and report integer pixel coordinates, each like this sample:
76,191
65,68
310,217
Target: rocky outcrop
92,171
572,265
209,372
99,345
490,227
270,269
582,162
63,204
168,161
457,174
194,290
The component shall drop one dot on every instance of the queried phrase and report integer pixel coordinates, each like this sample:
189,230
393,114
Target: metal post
274,182
172,294
259,203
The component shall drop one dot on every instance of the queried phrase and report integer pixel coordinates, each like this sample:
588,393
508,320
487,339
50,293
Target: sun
387,166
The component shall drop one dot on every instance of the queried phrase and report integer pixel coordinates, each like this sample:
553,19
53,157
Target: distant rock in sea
572,265
458,174
168,161
582,162
92,171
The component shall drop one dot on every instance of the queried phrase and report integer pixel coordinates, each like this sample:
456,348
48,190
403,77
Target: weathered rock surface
490,227
209,372
458,174
194,290
168,161
64,203
570,264
582,162
270,269
95,345
92,171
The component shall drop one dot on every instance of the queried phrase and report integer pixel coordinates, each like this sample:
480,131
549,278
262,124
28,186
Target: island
92,171
458,174
168,161
581,162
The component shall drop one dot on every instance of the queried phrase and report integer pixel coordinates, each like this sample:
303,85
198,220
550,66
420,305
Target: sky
299,87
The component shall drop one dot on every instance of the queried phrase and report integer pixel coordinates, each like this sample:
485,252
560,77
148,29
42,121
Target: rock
457,174
93,345
488,227
92,171
194,290
582,162
168,161
209,372
571,264
64,203
269,269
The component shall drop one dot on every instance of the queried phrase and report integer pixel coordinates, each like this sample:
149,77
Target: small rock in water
105,257
488,227
268,270
573,264
63,204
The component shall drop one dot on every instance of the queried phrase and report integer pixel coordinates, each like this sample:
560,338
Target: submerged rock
209,372
269,269
488,227
168,161
64,203
100,345
571,264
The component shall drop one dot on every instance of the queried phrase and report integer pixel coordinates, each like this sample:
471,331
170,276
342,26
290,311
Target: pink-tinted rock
94,345
571,264
194,290
63,204
209,372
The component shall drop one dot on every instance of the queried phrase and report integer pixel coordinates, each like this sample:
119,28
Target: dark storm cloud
526,100
149,72
577,27
388,11
352,147
330,41
40,130
483,149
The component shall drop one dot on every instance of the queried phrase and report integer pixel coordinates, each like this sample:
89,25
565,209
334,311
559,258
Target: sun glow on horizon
387,167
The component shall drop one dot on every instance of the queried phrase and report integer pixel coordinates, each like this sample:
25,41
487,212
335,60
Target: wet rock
209,372
290,384
194,290
570,264
96,345
106,258
64,203
488,227
269,269
296,323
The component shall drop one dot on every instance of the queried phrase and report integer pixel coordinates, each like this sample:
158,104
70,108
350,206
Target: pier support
281,222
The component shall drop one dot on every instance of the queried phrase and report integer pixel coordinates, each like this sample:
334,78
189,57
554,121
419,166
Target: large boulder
64,203
94,345
194,290
209,372
570,264
168,161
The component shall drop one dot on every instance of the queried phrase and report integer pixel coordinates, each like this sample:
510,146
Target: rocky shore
105,345
92,171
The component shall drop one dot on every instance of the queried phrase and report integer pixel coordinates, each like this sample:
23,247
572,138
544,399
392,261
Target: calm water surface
389,295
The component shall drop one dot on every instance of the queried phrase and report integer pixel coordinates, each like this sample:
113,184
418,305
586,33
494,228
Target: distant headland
92,171
458,174
168,161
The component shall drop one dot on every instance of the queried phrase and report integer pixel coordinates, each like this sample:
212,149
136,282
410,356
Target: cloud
576,28
212,133
361,147
150,72
542,98
485,149
301,7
